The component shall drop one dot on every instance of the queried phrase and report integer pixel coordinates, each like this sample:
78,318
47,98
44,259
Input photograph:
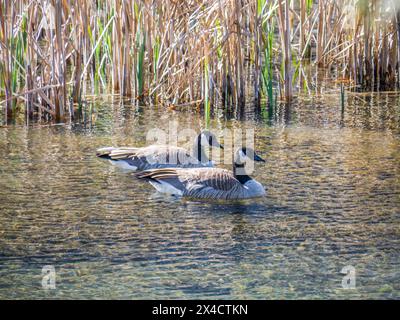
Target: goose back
152,157
207,183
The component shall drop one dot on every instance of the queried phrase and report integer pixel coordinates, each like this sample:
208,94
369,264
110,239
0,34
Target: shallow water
333,199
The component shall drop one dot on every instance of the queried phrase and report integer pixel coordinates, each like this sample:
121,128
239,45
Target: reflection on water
333,199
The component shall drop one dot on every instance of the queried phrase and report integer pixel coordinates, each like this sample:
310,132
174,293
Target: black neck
198,151
243,178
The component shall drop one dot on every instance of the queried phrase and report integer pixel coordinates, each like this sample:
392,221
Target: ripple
333,199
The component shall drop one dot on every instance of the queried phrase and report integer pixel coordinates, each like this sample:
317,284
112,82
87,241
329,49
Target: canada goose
208,183
161,156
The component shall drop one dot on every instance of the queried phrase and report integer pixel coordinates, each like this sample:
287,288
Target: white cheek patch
242,156
204,140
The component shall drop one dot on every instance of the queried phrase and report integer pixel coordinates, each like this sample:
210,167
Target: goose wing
212,183
166,155
215,178
151,155
114,153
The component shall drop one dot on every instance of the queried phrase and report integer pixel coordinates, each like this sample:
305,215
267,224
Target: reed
207,52
267,68
206,92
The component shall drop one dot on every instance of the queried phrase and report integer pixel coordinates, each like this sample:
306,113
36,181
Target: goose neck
198,150
239,172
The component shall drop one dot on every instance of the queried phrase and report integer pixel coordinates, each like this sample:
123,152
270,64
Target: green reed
206,91
267,68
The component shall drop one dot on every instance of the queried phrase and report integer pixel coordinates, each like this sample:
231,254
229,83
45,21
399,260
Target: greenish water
333,199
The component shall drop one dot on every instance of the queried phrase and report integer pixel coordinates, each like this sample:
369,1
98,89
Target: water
333,199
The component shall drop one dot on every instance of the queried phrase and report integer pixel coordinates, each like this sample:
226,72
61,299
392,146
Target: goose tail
115,153
105,153
163,180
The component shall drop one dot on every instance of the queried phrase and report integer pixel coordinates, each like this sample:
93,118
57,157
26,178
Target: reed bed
195,53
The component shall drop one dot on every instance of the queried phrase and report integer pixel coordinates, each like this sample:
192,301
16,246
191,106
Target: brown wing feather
158,174
211,183
216,178
156,153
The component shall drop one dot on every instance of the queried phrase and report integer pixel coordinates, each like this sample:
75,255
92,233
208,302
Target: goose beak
258,158
221,146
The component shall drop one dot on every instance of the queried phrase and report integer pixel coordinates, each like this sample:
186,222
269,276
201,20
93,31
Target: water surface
333,199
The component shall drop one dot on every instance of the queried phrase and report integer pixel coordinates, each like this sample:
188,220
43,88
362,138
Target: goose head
242,166
244,154
207,138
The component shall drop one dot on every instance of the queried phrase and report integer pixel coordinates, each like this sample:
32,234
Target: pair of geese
189,175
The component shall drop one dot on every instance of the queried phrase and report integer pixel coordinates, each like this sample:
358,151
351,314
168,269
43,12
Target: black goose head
244,153
241,156
207,138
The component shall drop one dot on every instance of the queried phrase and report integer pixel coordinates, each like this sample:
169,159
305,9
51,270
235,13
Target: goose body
204,183
161,156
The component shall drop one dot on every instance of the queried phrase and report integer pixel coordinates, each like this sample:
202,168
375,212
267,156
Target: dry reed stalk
154,50
287,57
6,66
302,37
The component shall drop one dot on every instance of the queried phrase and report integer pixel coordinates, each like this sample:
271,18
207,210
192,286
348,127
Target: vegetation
193,53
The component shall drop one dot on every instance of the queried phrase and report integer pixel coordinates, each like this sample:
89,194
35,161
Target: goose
208,183
161,156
